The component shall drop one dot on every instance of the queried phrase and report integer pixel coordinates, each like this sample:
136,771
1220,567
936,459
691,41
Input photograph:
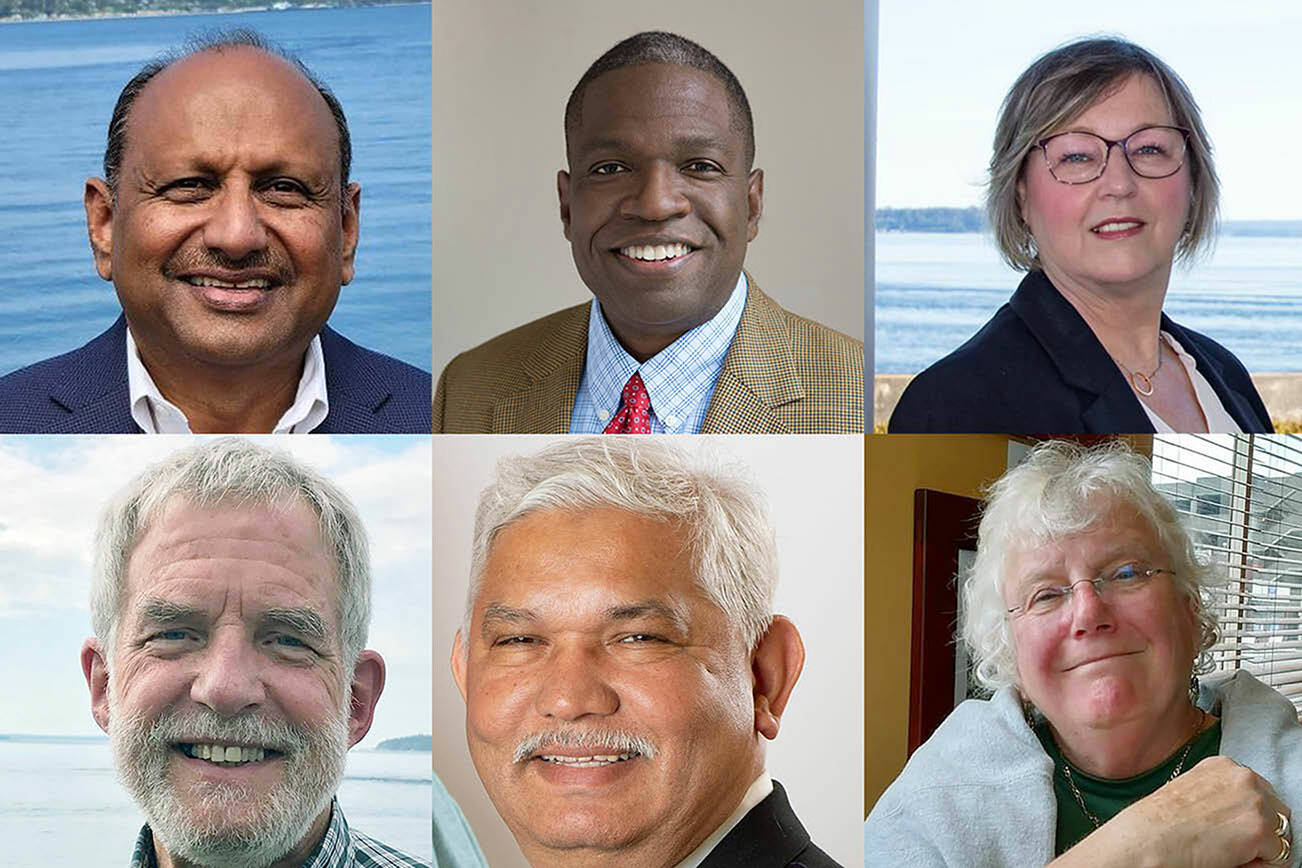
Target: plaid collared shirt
679,379
340,848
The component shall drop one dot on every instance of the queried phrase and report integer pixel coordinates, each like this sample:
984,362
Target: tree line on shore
26,9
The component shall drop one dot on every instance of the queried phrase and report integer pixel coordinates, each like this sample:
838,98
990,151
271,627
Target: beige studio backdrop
503,70
814,489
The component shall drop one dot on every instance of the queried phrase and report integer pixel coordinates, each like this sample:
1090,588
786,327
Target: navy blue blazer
85,391
769,836
1037,368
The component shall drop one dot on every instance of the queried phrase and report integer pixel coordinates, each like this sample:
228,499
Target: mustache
613,741
193,259
209,727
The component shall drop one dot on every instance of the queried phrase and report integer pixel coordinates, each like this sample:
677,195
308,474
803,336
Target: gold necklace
1136,376
1175,773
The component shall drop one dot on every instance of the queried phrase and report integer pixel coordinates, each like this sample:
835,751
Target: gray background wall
502,73
814,487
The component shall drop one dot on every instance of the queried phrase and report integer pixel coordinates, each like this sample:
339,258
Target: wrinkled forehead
285,532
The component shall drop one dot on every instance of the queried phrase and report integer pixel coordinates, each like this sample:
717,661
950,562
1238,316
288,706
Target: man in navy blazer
227,224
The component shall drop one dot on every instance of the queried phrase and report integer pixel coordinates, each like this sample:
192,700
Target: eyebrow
500,612
495,612
648,609
162,611
1115,554
1142,126
298,619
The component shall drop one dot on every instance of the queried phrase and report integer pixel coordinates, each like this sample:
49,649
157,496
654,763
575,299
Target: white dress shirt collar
758,791
157,415
679,380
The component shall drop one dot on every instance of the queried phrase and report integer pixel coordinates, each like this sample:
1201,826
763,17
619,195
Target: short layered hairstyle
1058,88
1062,489
232,472
720,513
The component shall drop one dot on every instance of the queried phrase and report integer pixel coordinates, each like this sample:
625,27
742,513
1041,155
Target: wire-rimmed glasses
1077,157
1114,583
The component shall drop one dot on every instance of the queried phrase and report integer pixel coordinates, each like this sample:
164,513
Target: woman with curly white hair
1086,615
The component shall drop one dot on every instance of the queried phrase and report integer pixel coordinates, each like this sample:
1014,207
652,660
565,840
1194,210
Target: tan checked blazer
783,374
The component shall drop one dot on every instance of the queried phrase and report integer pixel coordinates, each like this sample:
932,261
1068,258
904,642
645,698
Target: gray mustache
611,741
205,726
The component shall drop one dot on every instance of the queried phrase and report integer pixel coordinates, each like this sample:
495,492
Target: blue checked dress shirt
679,379
340,848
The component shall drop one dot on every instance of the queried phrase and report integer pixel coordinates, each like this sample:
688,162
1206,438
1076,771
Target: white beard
228,825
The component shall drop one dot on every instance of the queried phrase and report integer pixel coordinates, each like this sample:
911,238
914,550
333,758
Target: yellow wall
896,465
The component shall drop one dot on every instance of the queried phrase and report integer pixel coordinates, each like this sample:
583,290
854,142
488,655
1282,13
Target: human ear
775,665
352,224
563,193
95,667
459,652
367,685
99,225
755,201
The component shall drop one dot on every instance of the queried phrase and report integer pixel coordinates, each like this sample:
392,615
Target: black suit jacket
769,836
1037,368
85,391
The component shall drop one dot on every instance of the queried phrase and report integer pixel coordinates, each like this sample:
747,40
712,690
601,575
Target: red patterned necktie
634,416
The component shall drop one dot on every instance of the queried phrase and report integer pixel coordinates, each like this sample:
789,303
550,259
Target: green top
1105,797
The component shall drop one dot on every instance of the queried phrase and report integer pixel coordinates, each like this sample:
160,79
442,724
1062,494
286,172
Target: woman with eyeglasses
1101,178
1086,614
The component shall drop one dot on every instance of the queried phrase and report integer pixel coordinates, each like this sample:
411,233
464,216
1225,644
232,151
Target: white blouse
1219,421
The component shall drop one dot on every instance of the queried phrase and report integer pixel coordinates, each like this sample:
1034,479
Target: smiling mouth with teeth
231,755
256,283
1116,227
587,762
655,252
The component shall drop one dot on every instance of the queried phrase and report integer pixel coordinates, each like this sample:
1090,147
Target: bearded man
231,602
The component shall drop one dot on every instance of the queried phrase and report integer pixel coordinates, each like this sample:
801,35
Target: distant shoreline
224,10
966,221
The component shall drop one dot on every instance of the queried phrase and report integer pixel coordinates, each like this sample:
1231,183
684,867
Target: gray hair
1059,490
723,517
216,41
1056,89
232,470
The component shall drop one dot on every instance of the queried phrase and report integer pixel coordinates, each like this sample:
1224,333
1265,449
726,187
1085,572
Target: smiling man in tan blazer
659,203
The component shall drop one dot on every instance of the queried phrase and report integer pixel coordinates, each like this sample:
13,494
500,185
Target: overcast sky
944,67
51,491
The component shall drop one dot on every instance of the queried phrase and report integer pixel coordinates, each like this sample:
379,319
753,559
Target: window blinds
1241,496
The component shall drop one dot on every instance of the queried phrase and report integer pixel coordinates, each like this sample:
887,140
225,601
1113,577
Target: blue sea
60,803
59,81
933,291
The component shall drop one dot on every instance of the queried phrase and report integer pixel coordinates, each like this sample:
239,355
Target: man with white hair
621,663
231,602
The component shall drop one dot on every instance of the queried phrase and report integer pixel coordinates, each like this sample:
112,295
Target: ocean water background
60,803
934,290
59,81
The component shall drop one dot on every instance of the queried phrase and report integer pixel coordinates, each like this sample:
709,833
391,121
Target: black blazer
769,836
85,391
1037,368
